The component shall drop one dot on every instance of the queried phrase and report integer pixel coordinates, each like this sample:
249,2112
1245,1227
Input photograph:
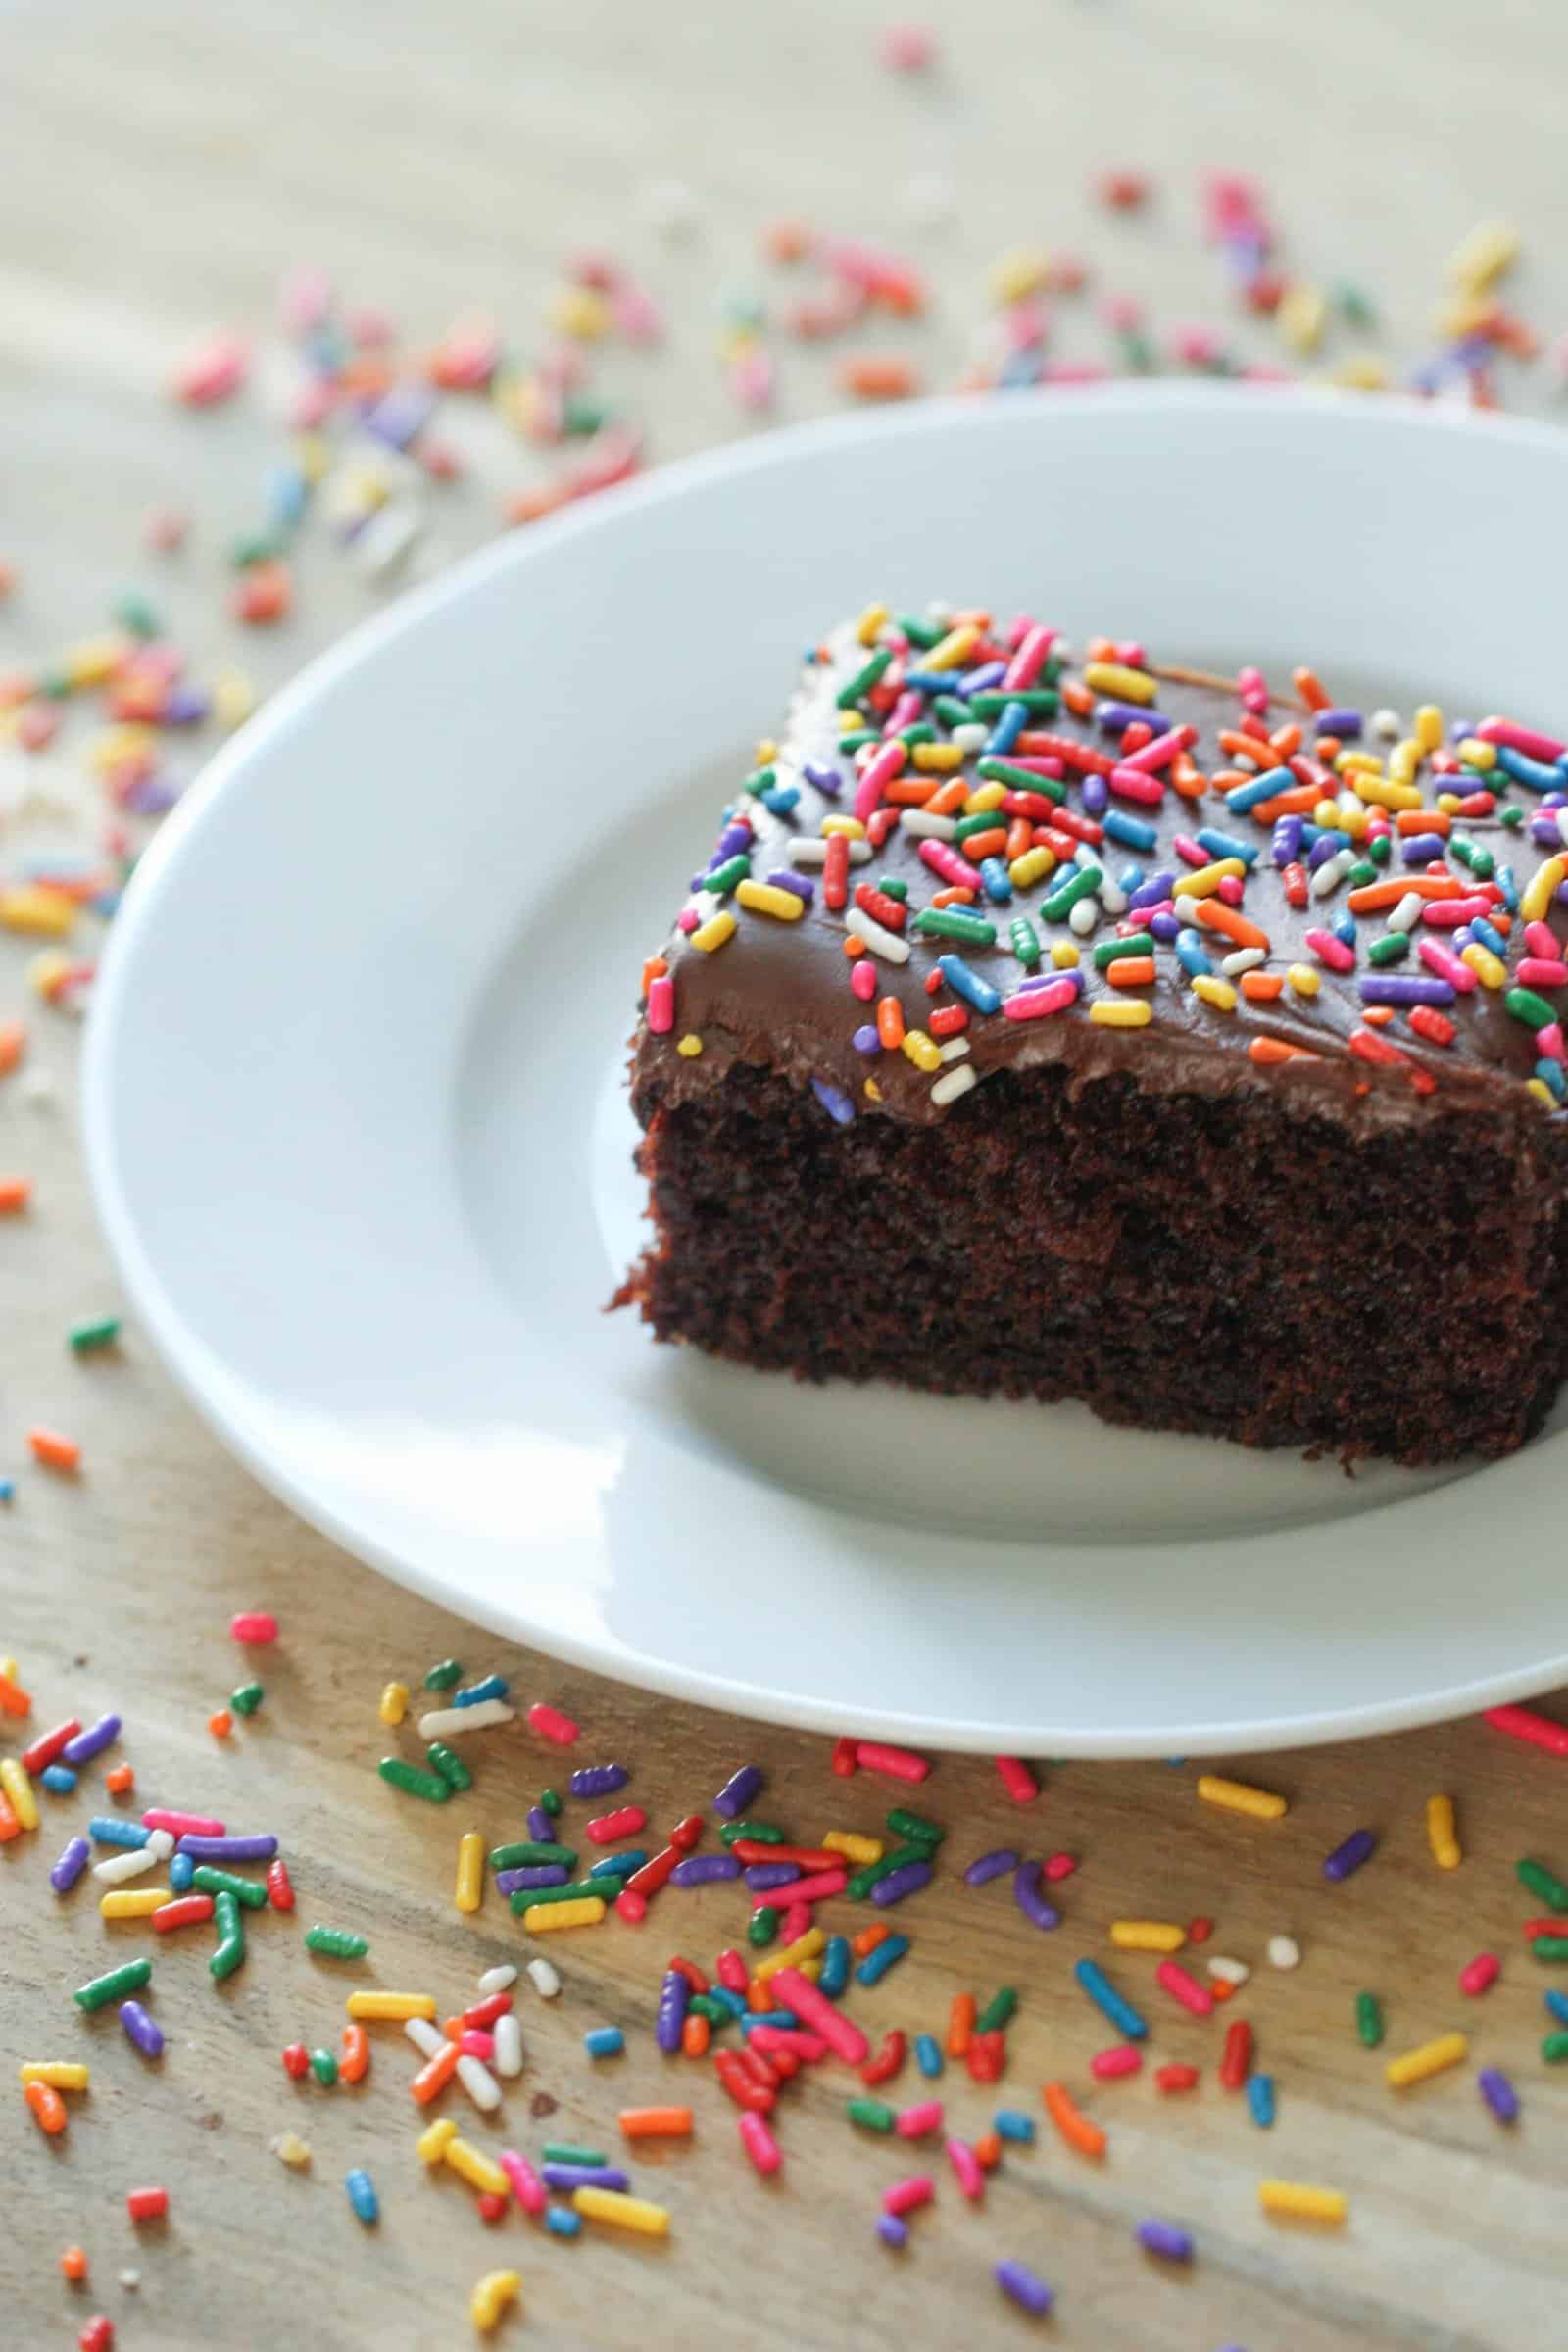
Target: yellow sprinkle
93,660
1303,979
434,2140
938,759
1351,817
1479,260
1426,727
1019,273
1302,2202
49,972
1240,1797
1432,2058
394,1702
1324,812
1121,1012
1032,867
1361,373
469,1889
871,621
1065,954
543,1918
578,311
493,2297
133,1902
290,2149
1384,791
396,2006
1117,679
1147,1935
1214,991
38,910
633,2213
313,455
1360,763
1448,803
711,934
16,1782
953,650
1404,760
61,2074
1489,970
983,798
1476,754
852,826
1302,315
768,898
689,1046
1542,1092
1442,1836
767,749
853,1846
475,2167
1204,880
922,1050
1542,887
118,746
790,1955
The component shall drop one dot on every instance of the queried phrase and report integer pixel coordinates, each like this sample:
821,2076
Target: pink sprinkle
1523,1722
626,1823
886,761
1061,1866
1445,964
636,313
632,1907
1541,940
1035,1003
213,372
759,2144
773,2038
1520,739
815,1890
1018,1780
913,2123
1029,659
815,2010
908,48
1132,784
1161,749
549,1721
528,2187
1123,2059
305,299
1331,951
905,2195
253,1625
752,378
687,920
946,861
1484,1970
898,1763
1449,913
1184,1988
475,2042
183,1825
795,1921
863,978
311,406
966,2164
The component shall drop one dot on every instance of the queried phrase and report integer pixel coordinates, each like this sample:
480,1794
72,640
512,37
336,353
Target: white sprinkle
1228,1972
497,1979
130,2281
1387,723
479,2083
1084,917
1284,1953
955,1049
1562,825
1332,873
953,1082
1407,913
135,1861
886,944
1244,961
388,538
507,2035
543,1977
36,1087
971,736
668,206
426,2039
808,848
1113,897
465,1718
925,827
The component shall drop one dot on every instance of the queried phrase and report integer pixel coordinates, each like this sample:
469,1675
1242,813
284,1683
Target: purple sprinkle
988,674
990,1866
741,1790
763,1875
541,1827
1155,891
786,878
701,1870
1545,833
1386,988
599,1780
584,2175
734,837
1094,796
1498,2093
144,2030
1347,1858
92,1741
892,2230
258,1848
1165,926
827,779
70,1865
866,1040
834,1101
1419,848
1284,842
541,1873
400,414
183,707
154,795
1024,2287
1031,1903
1113,717
1326,846
907,1879
673,1995
1346,724
1166,2240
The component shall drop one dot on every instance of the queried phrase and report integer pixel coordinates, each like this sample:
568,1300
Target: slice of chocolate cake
1114,1031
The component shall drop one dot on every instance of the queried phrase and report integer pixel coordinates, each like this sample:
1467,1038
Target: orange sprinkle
48,2107
986,2151
1242,743
989,844
53,1451
1380,1015
1327,748
1286,740
15,1194
957,893
1190,781
355,2056
1422,820
1020,837
1373,895
1074,2127
1263,986
13,1038
10,1825
1101,649
220,1724
1299,800
695,2034
890,1023
1132,972
653,969
910,791
121,1781
870,1938
656,2123
1220,917
73,2264
1222,1988
950,798
1265,1050
14,1700
854,946
960,2024
1309,687
434,2075
1077,698
869,377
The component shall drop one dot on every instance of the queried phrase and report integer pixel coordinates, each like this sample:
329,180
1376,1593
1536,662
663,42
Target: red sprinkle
1236,2063
279,1885
1018,1780
550,1723
147,2204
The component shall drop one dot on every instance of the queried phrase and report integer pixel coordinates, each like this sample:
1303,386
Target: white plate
355,1116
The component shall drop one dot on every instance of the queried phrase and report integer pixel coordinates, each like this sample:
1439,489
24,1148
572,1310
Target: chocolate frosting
777,994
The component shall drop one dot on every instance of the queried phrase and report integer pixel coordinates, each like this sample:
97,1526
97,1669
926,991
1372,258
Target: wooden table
163,164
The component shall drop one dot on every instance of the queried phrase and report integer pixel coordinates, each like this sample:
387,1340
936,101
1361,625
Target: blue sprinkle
1103,1993
1533,775
835,1971
1505,880
1192,955
1226,845
874,1966
786,2019
1007,729
734,2002
928,2055
182,1870
493,1685
104,1829
1130,878
968,984
361,2194
605,2042
59,1778
1550,1075
1488,936
780,797
562,2221
1343,928
834,1101
1012,2124
995,881
1131,831
1261,2099
618,1866
1242,797
8,1488
1557,2006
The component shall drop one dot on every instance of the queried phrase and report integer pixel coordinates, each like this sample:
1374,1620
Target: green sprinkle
856,689
1511,816
1362,872
1392,948
858,739
207,1879
997,2010
138,614
1542,1882
703,2004
247,1698
765,1833
449,1764
1369,2019
893,886
1138,351
950,922
413,1782
1550,1948
873,2113
230,1935
923,731
256,547
1021,779
564,2151
1471,854
1041,702
1082,883
574,1891
1379,849
1554,2048
859,1883
323,2066
550,1801
905,1823
580,416
1025,941
953,709
922,633
1354,306
53,684
1111,951
1532,1010
762,1926
441,1677
113,1988
984,820
724,878
761,780
86,1338
338,1944
531,1850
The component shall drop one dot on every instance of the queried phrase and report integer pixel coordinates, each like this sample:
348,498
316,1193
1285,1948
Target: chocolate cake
1110,1030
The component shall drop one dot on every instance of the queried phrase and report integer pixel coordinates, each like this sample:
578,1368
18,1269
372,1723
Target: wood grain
163,165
